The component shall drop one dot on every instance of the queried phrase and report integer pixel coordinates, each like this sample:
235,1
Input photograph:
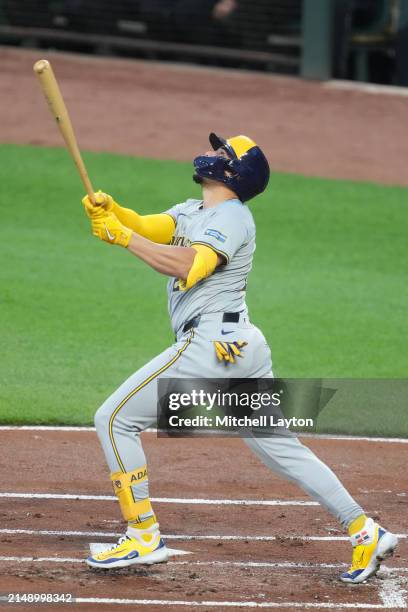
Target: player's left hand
229,351
108,228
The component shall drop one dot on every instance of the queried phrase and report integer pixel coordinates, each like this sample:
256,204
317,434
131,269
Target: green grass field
329,285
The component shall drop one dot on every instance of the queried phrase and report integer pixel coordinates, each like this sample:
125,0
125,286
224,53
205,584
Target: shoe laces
121,540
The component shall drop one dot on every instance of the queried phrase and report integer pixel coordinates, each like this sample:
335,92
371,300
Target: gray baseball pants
133,407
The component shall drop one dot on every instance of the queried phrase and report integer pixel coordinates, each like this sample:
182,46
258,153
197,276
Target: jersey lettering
180,241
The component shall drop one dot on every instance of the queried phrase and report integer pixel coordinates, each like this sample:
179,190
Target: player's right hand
108,228
103,203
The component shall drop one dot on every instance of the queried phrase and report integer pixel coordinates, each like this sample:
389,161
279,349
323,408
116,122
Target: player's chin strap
204,264
136,511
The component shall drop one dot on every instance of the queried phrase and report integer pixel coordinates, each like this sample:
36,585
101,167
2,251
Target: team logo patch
215,234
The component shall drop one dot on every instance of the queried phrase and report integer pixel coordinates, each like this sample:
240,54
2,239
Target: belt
227,317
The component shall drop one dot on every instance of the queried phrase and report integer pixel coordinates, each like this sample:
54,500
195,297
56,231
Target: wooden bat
56,103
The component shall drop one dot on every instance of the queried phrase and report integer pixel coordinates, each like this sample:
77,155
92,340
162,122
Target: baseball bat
56,103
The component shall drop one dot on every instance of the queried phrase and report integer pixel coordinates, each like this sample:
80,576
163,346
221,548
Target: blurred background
145,82
362,40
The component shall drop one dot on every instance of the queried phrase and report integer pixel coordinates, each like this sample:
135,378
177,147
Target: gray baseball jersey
229,229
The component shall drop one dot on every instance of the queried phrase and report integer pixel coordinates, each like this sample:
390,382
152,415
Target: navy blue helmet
245,172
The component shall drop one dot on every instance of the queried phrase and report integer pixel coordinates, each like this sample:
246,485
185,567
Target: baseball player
205,247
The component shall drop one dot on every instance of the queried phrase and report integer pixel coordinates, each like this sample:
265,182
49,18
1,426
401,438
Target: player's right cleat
137,546
371,546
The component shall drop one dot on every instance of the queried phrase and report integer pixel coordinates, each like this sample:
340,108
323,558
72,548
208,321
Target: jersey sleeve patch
215,234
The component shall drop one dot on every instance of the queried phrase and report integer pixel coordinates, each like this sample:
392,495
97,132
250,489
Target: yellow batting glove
108,228
228,351
103,204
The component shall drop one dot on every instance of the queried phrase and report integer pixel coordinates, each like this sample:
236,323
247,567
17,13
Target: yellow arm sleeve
204,265
157,228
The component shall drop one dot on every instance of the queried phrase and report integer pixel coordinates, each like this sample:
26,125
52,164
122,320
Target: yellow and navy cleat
371,546
137,546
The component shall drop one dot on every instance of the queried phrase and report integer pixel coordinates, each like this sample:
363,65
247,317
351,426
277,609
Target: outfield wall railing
316,39
263,34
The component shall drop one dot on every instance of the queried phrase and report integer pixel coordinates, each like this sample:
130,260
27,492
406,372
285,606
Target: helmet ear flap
232,168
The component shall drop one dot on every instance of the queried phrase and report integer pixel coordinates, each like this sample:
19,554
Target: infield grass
329,285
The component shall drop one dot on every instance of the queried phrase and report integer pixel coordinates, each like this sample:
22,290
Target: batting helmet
246,172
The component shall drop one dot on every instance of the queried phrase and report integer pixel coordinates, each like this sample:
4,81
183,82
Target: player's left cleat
371,545
137,546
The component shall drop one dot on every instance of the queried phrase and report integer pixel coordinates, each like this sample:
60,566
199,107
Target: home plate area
239,537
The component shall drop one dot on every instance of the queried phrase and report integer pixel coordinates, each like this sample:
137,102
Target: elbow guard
204,265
